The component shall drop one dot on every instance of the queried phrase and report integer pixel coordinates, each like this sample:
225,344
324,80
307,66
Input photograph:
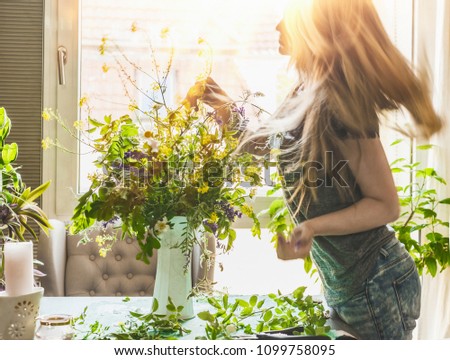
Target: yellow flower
250,170
105,68
102,252
155,86
164,32
275,152
46,115
99,240
132,106
102,47
134,27
78,125
165,150
252,192
92,176
46,143
200,40
203,189
247,210
208,138
214,218
83,101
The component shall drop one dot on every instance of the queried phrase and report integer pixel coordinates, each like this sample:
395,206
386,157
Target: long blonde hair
350,73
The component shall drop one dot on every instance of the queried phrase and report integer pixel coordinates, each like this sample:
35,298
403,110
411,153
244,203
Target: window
244,47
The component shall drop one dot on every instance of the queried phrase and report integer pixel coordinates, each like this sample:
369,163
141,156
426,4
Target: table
112,310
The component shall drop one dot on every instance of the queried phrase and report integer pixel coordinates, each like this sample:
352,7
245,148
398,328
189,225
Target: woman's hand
299,243
212,95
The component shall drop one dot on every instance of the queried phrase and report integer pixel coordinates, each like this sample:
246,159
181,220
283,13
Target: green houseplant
420,227
17,207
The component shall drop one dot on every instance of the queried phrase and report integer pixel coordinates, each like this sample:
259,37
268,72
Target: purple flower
110,221
136,155
229,210
212,226
240,110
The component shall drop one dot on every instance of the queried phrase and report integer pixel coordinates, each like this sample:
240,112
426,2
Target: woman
338,182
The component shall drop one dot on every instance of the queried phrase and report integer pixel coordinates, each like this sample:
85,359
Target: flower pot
18,315
173,278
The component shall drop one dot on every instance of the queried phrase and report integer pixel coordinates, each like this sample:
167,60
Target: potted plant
175,171
19,304
17,206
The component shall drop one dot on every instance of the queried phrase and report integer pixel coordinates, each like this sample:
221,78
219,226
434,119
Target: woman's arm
378,206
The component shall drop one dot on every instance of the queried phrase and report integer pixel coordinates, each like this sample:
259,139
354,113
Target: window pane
240,35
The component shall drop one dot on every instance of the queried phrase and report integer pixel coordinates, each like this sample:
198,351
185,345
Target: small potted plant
19,303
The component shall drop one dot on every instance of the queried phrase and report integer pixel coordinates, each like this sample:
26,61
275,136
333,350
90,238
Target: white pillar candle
18,268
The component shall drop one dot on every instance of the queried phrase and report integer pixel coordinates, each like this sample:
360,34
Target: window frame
62,23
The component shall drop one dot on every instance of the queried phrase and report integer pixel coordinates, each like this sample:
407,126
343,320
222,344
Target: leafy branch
137,326
420,218
275,313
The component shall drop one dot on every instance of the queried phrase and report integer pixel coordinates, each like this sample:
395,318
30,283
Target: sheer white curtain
432,22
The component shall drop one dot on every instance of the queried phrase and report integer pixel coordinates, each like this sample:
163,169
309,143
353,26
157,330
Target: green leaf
205,316
397,170
5,125
431,265
155,305
267,315
260,304
424,147
308,264
225,300
9,153
253,300
396,142
214,303
94,122
247,311
445,201
38,191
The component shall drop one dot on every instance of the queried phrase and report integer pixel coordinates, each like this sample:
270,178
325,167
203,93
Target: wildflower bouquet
162,161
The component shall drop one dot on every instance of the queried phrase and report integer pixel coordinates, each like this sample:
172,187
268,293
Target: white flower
162,226
154,144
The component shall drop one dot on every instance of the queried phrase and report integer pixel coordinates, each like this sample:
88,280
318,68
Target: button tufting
118,257
129,275
118,293
129,240
141,293
92,257
105,276
92,292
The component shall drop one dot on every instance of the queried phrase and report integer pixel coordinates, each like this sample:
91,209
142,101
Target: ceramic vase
173,277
